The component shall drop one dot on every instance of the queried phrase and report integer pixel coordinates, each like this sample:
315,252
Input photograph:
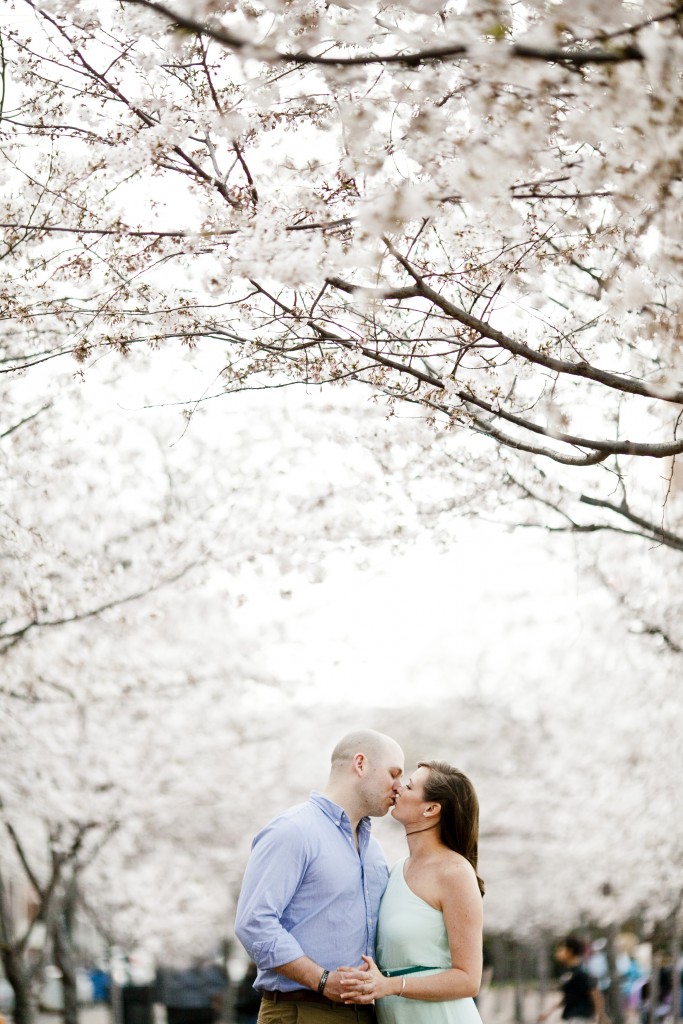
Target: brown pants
314,1013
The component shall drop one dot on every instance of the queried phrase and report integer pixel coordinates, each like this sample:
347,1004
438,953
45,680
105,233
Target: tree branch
646,628
657,451
377,293
9,640
353,346
577,56
21,854
581,369
27,419
654,531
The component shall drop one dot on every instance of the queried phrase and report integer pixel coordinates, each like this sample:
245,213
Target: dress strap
409,970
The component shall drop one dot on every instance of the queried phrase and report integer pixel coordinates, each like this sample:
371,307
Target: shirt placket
344,825
363,840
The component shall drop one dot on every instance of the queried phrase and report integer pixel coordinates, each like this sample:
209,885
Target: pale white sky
497,610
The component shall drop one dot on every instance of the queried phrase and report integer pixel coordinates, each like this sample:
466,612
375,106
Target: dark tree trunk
501,970
544,969
13,962
615,1003
654,987
65,961
65,957
675,961
519,984
19,979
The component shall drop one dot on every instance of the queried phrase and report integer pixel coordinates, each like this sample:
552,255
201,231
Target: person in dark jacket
581,999
192,995
247,998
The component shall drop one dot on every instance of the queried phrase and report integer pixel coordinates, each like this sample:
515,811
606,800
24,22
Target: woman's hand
365,984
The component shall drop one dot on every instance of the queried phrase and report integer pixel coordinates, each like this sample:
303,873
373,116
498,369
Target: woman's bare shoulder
456,870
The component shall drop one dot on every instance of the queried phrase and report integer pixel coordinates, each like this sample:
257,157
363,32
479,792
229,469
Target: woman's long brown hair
452,789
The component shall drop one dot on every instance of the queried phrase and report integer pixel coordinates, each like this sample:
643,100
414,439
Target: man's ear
359,763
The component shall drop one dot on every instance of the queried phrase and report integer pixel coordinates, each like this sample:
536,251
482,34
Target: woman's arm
463,912
461,905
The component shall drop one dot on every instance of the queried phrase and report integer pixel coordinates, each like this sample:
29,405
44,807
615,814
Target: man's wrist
323,981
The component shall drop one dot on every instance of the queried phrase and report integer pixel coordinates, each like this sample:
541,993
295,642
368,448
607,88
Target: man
192,995
312,887
581,999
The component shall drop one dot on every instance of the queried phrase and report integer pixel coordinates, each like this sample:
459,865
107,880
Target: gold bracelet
403,986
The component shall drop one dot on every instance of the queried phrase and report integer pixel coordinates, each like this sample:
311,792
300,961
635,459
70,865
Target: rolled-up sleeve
273,875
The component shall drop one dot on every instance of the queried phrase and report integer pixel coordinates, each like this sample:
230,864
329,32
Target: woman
429,935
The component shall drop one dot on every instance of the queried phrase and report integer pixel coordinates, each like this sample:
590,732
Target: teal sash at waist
409,970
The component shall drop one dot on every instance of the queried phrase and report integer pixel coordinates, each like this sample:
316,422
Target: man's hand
341,991
307,973
332,988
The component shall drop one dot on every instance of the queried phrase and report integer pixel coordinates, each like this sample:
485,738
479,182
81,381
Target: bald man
312,887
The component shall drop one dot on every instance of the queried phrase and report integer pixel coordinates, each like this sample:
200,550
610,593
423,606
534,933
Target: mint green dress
410,933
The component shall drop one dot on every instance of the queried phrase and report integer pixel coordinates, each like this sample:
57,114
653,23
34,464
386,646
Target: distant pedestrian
596,964
247,998
581,999
192,995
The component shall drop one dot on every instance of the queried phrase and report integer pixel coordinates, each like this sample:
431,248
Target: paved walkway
496,1006
99,1013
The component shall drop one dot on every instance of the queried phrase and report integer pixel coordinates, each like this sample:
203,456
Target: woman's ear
432,811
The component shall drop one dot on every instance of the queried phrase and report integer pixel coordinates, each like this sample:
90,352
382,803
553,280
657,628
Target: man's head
571,950
365,773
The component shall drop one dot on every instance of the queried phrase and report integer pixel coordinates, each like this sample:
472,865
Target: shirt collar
337,814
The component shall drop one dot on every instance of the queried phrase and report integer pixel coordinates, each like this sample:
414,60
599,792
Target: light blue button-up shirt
308,891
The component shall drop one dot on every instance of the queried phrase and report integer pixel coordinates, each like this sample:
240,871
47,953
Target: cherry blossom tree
130,546
56,813
470,212
474,209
